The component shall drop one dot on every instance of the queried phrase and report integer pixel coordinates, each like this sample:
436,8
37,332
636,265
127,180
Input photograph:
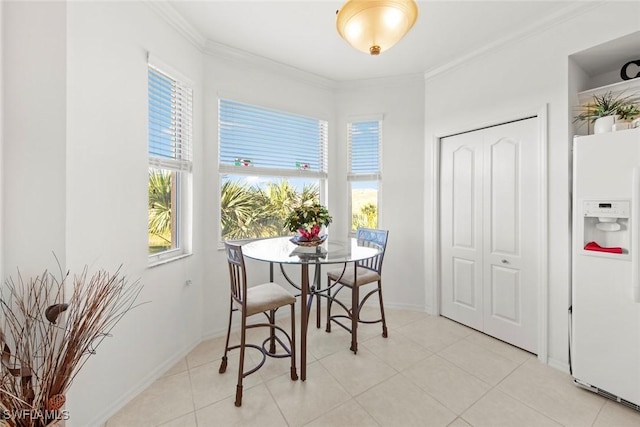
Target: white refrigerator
605,296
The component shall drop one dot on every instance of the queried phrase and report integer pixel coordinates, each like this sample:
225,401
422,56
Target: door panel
504,197
461,230
505,294
463,198
489,231
464,285
511,301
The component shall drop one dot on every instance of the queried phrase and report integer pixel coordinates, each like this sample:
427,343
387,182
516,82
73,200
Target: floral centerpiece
307,219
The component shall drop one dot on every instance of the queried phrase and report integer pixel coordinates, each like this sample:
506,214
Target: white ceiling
302,33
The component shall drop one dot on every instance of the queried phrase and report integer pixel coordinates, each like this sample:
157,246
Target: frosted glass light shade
373,26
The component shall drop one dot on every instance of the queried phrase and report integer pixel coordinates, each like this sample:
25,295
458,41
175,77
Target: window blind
255,136
364,149
170,123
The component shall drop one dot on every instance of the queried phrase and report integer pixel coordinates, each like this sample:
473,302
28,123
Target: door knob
504,261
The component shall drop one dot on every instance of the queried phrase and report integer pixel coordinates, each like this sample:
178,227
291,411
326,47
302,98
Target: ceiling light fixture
373,26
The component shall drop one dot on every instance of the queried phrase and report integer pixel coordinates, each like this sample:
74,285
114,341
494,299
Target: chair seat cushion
267,296
365,276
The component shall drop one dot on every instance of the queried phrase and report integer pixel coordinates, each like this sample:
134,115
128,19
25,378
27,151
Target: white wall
521,76
34,116
401,103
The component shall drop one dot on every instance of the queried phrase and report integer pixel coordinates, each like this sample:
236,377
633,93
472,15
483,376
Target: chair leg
354,318
223,364
294,371
384,322
243,337
318,308
316,280
328,328
272,332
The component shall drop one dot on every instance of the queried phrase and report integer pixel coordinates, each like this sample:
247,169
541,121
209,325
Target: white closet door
503,272
461,229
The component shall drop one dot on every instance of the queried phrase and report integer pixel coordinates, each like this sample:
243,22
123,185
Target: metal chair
366,272
266,298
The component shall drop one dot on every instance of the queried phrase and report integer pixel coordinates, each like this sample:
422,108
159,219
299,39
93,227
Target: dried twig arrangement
45,341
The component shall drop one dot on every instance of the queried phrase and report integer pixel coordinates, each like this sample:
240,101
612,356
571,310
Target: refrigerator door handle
635,233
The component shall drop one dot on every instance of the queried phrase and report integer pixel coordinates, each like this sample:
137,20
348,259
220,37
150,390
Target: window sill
159,262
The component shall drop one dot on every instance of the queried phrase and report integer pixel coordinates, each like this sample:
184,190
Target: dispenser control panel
606,209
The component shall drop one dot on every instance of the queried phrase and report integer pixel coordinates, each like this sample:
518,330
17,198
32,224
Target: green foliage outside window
367,217
160,213
250,211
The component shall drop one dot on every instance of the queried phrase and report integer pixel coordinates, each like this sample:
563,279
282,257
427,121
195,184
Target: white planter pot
621,125
604,124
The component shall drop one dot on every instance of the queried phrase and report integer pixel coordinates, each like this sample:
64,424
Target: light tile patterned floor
430,371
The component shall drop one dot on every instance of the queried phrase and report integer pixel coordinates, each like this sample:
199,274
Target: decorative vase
604,124
308,241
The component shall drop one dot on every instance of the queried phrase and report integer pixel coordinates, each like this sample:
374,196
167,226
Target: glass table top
332,251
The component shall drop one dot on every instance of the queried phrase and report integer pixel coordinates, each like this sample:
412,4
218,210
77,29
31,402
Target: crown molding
222,51
564,14
177,21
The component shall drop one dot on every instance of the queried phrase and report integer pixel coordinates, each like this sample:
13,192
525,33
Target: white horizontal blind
364,149
170,122
270,140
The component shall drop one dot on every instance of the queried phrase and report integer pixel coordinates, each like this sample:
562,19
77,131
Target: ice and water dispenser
606,227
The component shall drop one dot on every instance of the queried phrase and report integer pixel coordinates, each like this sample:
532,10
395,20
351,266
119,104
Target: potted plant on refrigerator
603,110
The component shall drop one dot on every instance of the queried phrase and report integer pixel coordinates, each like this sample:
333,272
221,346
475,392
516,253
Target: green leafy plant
307,219
160,217
367,217
628,112
250,211
604,105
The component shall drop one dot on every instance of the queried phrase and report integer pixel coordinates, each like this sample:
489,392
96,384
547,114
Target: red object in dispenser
593,246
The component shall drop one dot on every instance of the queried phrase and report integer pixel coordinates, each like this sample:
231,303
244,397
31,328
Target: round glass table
281,250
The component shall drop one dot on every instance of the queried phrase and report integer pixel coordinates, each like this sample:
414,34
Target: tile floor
429,372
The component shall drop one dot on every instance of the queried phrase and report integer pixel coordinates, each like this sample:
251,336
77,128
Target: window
170,116
364,141
269,161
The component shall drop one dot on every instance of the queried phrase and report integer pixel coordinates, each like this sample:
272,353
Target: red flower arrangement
307,219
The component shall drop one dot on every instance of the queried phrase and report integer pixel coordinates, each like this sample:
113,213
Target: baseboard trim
558,364
413,307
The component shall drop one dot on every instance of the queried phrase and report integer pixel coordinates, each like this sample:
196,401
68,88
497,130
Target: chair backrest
237,272
371,236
